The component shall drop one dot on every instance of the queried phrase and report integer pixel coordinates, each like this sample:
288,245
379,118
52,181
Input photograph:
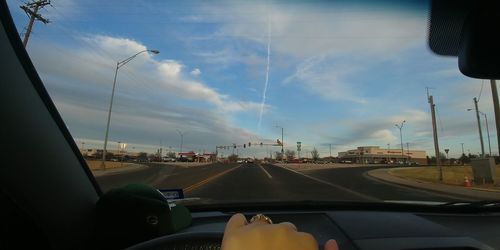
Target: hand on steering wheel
261,234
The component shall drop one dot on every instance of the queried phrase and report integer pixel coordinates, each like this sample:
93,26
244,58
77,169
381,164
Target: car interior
49,197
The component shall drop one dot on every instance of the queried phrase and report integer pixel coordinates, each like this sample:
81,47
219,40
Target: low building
93,153
375,154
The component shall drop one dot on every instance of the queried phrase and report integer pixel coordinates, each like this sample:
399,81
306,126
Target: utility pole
487,132
408,150
462,148
31,10
430,99
161,151
330,151
479,126
496,107
282,142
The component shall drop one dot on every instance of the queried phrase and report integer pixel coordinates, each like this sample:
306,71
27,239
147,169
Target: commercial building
375,154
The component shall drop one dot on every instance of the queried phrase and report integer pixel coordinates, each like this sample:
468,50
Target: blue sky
339,72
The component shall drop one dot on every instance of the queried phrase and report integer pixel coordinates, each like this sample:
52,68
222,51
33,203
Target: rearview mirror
469,30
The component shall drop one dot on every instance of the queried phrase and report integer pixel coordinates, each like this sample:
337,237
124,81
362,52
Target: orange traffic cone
467,182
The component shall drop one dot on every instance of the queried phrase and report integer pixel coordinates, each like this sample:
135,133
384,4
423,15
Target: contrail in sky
263,104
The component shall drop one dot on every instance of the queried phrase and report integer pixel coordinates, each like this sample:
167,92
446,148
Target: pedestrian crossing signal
249,144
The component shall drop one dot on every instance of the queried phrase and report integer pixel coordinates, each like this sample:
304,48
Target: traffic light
249,144
261,144
234,145
244,145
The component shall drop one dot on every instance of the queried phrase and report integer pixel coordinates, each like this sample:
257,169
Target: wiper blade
478,204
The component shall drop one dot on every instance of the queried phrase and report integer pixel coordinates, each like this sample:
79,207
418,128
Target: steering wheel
184,241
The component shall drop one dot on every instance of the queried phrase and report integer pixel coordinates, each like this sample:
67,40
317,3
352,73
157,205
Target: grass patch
452,175
96,164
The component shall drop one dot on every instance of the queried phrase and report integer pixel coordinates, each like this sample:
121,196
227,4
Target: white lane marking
334,185
265,171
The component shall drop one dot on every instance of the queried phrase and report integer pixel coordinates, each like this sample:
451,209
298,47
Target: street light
119,64
182,140
487,129
400,127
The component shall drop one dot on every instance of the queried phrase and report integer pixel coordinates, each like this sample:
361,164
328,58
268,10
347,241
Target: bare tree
232,158
289,154
171,154
278,156
315,154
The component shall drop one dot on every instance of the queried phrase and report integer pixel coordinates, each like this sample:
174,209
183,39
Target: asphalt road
164,176
247,182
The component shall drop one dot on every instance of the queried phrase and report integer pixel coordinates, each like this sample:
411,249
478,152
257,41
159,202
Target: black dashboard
358,230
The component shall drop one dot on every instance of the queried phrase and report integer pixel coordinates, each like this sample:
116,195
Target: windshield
236,101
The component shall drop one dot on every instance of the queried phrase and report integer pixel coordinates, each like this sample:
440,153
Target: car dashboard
359,229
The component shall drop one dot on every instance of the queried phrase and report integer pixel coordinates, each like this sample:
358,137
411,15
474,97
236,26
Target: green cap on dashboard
136,213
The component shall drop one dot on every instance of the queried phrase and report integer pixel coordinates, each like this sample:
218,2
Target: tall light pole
282,142
478,125
182,140
119,64
400,127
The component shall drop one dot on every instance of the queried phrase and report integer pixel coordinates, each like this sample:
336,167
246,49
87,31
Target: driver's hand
259,235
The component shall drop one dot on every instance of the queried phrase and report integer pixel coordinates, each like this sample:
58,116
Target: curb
124,170
448,185
468,193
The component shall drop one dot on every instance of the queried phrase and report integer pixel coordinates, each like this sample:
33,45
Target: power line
31,10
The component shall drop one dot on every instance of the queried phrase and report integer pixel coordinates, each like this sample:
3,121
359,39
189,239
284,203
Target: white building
375,154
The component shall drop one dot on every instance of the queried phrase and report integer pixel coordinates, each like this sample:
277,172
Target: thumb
236,221
331,245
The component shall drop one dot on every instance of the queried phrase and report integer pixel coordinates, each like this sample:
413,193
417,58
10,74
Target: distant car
239,161
169,159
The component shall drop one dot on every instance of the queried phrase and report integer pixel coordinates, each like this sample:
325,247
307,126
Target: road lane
143,176
355,179
254,182
249,182
164,176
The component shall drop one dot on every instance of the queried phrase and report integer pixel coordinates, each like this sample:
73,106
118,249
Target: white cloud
195,72
326,79
169,68
150,73
152,96
328,42
328,28
415,116
383,135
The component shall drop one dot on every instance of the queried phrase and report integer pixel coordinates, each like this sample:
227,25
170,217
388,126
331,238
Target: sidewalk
114,171
471,193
